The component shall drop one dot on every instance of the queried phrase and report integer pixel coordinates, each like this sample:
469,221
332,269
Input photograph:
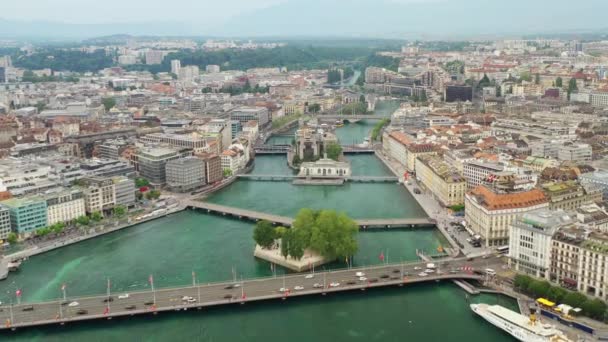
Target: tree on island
334,150
330,234
264,234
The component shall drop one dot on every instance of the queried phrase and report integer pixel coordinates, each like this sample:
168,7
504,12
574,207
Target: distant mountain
435,19
42,29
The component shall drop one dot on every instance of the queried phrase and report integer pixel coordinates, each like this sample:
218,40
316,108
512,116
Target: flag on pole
18,293
106,310
63,287
381,256
108,283
151,279
244,296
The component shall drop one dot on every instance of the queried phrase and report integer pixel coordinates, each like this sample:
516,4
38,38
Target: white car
362,279
360,274
283,289
417,268
299,288
72,304
317,286
422,274
335,284
123,296
309,276
236,285
191,300
429,270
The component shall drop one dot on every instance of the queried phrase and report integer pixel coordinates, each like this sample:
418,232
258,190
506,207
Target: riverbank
40,249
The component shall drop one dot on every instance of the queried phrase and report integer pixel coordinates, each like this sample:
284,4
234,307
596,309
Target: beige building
395,145
569,195
64,206
446,184
99,194
490,214
416,150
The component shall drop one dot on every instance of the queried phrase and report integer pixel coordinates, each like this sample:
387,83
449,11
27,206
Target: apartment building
416,150
490,214
447,185
244,114
99,194
578,153
152,162
5,222
568,195
477,171
395,145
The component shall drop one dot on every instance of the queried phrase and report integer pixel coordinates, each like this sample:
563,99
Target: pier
152,302
288,221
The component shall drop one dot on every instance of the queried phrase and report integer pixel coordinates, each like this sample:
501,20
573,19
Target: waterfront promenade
226,293
288,221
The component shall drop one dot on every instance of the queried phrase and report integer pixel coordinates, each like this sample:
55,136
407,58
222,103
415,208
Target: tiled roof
501,201
401,137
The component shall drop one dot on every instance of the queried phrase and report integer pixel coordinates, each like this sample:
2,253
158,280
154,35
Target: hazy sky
104,11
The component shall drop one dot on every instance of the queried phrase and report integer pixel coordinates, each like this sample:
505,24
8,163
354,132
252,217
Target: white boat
517,325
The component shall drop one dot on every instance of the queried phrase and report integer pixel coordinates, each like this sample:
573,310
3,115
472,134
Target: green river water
172,247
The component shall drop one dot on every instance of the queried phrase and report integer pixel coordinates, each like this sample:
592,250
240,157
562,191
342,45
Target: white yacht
519,326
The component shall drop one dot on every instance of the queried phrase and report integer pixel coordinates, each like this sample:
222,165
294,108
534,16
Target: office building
124,191
212,68
395,145
152,163
235,128
477,171
244,114
598,180
458,93
185,174
176,66
154,57
569,195
530,241
2,75
28,214
578,153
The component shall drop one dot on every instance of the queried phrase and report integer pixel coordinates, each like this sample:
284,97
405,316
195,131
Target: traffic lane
216,292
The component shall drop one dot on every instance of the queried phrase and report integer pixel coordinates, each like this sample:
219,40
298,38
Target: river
172,248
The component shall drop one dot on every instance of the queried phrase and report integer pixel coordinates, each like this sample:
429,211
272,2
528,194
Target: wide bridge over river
288,178
97,307
288,221
283,149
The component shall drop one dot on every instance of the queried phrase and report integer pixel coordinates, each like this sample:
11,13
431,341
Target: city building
530,240
28,214
458,93
176,66
489,214
213,167
185,174
579,153
193,141
124,191
394,144
211,68
325,168
597,179
416,150
244,114
569,195
64,206
447,185
154,57
99,194
477,171
152,162
565,262
5,222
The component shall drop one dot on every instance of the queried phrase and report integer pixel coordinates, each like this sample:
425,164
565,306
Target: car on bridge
334,284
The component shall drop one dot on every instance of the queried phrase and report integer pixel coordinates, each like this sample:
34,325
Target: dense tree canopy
326,232
333,150
72,60
264,234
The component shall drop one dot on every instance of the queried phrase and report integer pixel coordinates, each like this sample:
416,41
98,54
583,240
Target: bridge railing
438,263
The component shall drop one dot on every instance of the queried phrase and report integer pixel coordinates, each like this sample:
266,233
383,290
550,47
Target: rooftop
502,201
